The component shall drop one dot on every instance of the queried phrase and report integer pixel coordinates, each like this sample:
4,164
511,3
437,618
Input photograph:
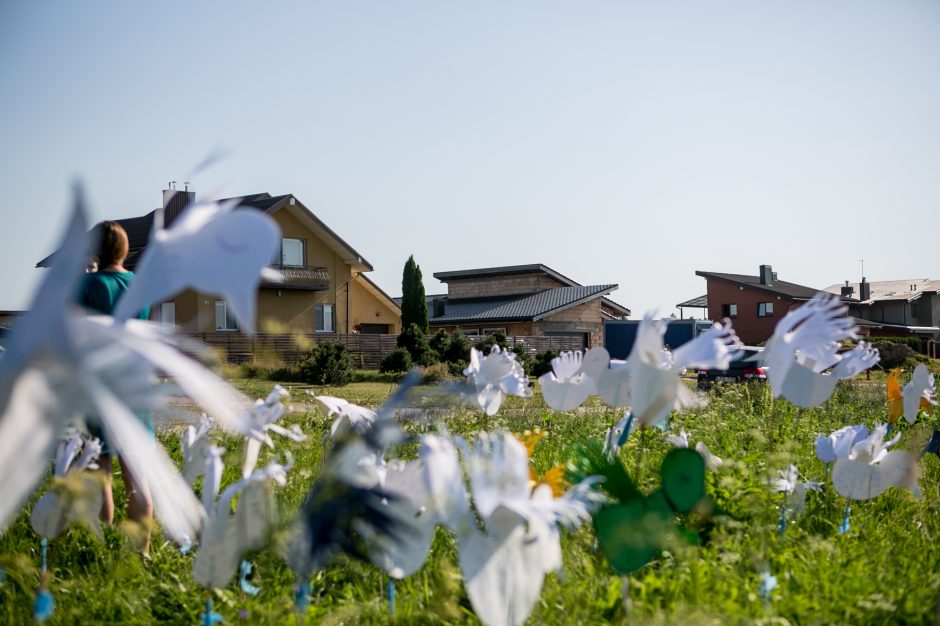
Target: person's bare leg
107,500
139,505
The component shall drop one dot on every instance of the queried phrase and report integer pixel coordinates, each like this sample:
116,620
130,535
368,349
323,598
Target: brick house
523,300
753,303
325,289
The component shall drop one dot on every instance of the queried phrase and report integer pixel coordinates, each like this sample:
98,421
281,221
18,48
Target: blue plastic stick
783,518
390,593
827,470
845,526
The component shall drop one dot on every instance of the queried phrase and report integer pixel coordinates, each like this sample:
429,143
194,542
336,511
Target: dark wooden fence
367,350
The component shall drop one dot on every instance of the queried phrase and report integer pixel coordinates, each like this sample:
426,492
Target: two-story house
754,304
325,288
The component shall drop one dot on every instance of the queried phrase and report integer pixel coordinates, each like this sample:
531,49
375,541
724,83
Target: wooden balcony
303,278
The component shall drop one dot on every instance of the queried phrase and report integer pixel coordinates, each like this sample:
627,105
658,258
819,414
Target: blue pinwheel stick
44,605
390,594
845,526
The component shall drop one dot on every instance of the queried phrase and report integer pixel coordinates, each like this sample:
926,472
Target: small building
754,304
325,289
523,300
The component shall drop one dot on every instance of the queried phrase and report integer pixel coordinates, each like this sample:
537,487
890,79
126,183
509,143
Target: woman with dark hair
100,292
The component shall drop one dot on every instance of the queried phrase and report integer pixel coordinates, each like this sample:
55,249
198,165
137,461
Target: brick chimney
864,290
847,290
766,275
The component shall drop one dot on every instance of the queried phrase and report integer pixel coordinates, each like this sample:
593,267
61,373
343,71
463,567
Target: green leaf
683,479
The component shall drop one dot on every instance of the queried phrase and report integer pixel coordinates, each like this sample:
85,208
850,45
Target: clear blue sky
616,141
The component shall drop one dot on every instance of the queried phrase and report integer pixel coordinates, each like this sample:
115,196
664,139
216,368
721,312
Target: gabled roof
138,228
379,293
533,307
896,290
506,270
270,204
782,288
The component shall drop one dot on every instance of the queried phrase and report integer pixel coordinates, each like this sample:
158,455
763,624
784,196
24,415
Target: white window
223,318
292,252
324,318
765,309
168,313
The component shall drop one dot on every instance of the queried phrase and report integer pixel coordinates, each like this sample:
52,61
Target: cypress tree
407,293
420,302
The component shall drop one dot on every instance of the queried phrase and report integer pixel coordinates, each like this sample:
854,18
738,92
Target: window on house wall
765,309
168,313
324,318
223,317
470,332
493,331
729,310
914,311
292,252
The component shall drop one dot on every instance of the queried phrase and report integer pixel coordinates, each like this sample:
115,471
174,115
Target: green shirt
101,290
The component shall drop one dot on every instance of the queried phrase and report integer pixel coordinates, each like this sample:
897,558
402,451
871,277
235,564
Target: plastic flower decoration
211,248
805,345
573,378
839,443
870,469
348,416
493,375
919,394
75,494
895,397
504,565
264,416
681,440
788,482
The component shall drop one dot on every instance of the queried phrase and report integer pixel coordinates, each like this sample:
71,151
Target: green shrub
372,376
496,339
458,349
914,343
327,364
413,340
436,373
440,342
892,354
542,363
523,357
398,360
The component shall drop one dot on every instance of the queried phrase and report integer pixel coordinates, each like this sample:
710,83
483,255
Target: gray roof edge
506,270
597,290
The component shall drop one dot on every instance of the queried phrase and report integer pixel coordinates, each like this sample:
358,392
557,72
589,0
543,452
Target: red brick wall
750,328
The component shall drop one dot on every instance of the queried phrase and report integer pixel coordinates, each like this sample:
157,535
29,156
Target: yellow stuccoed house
325,289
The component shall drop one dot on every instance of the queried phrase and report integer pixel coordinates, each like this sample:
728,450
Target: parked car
748,367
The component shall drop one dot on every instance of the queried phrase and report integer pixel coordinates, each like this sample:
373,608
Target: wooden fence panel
367,350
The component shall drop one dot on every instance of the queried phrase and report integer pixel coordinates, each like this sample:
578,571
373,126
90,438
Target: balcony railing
306,278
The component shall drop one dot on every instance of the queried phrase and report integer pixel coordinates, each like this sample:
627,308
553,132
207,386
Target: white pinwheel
493,375
919,393
870,469
263,417
805,344
76,495
573,378
839,443
212,248
681,440
504,566
788,482
229,536
348,416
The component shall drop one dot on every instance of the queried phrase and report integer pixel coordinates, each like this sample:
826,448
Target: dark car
748,367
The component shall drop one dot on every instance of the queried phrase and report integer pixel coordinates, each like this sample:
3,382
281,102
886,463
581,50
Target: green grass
886,570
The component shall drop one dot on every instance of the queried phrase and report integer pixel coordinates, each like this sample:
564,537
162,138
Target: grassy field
885,570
